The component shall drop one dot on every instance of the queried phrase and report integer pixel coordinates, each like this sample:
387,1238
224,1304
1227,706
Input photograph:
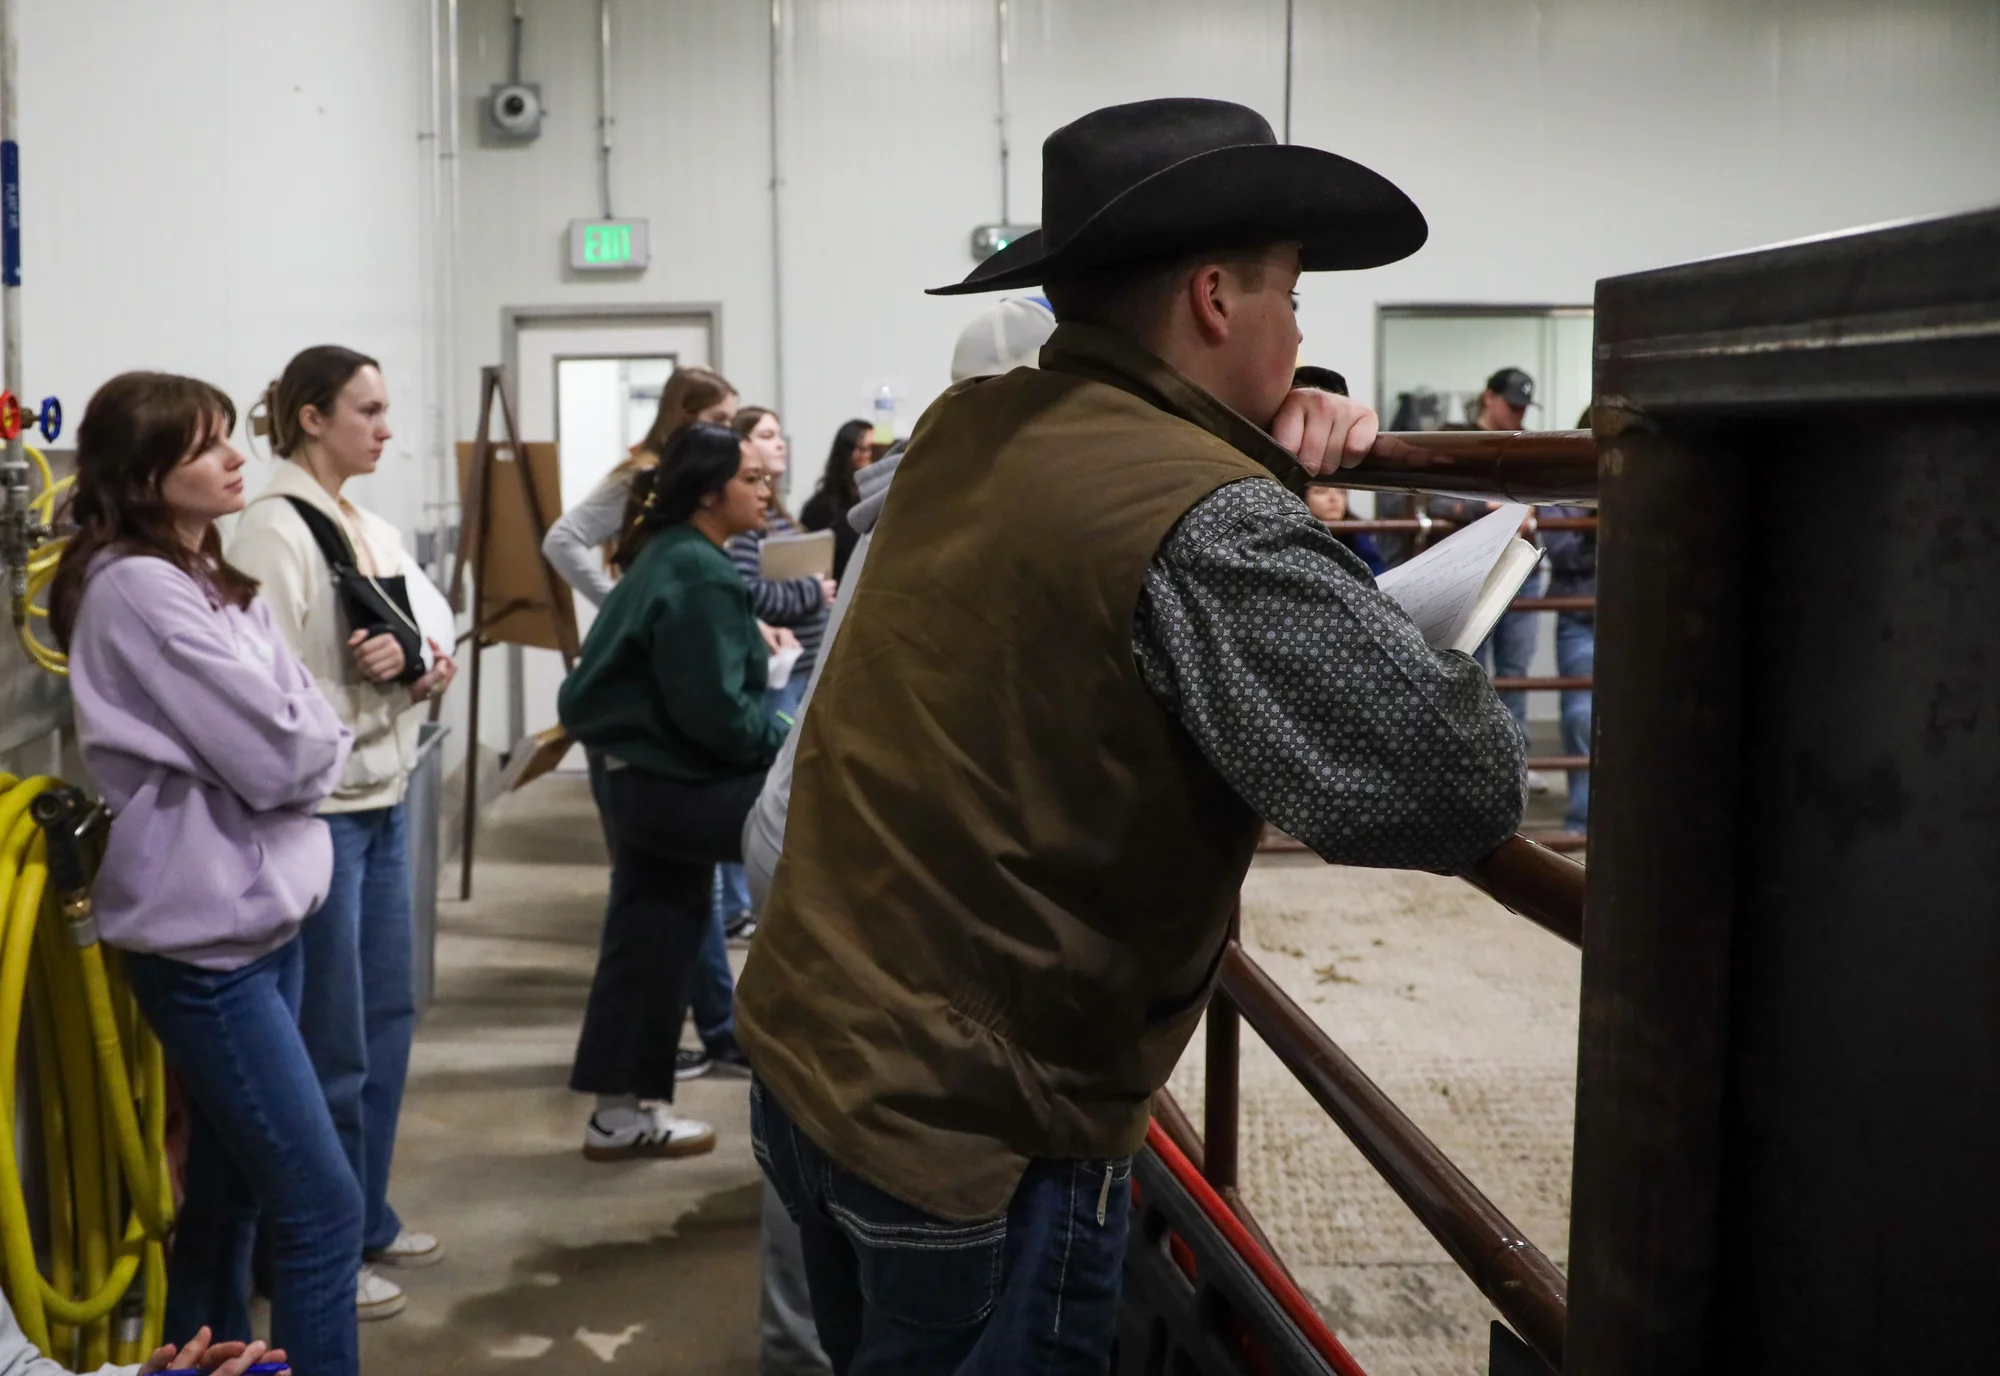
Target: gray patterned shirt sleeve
1316,697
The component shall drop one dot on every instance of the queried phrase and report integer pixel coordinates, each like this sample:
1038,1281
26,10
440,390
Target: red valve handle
10,417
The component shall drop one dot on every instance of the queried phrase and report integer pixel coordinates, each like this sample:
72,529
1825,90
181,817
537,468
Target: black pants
668,838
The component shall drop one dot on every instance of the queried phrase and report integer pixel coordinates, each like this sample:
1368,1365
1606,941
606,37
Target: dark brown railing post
1220,1098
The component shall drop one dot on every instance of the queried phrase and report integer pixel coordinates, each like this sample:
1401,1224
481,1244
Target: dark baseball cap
1512,386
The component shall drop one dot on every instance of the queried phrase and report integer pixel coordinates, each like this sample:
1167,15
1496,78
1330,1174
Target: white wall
210,185
1550,142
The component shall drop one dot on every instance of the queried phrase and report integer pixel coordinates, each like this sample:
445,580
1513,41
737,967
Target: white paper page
782,663
1440,587
435,622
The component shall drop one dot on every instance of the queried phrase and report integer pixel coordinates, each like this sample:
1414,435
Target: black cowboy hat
1133,183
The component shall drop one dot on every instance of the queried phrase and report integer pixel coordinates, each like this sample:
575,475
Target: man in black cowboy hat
1097,644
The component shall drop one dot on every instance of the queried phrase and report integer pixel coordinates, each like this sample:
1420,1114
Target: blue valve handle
51,419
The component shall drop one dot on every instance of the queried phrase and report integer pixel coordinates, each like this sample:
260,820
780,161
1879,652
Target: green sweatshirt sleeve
700,653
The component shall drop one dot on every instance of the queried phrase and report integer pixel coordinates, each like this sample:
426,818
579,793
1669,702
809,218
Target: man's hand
218,1359
379,657
1325,431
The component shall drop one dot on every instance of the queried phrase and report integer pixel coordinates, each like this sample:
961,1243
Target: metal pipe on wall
604,105
15,519
1000,118
1291,16
777,219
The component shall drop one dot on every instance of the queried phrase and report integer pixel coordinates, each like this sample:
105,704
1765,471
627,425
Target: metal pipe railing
1535,466
1410,525
1529,878
1521,1282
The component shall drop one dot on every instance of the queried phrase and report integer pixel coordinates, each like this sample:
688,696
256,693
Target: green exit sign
607,245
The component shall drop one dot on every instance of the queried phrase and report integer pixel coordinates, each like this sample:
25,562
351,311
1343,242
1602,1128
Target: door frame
514,319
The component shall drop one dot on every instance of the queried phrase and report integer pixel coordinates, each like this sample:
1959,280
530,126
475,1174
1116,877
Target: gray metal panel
32,702
1788,1072
1904,313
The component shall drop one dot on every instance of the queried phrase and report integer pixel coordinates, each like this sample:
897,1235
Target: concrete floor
556,1265
1465,1014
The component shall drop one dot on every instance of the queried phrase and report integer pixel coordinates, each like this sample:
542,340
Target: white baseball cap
1008,335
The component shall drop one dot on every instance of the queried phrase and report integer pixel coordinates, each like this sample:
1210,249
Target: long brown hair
313,378
688,393
744,421
135,431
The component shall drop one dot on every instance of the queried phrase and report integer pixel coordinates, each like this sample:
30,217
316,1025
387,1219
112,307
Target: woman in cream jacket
328,416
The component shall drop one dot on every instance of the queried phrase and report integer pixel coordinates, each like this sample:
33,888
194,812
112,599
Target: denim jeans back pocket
913,1268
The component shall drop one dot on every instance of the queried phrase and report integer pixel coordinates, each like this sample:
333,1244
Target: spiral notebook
1457,589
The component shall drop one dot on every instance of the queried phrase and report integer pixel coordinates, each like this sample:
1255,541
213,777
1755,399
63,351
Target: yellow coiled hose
42,571
109,1191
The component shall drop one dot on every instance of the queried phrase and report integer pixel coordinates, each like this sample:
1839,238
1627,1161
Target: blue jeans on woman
1576,657
1509,650
360,1008
896,1292
261,1150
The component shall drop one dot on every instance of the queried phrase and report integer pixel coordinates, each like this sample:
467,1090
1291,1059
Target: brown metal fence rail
1545,887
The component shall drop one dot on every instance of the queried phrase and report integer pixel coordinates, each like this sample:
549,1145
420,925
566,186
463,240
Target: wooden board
514,574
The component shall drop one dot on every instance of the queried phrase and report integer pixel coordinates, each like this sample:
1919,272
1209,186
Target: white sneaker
1539,782
376,1297
411,1248
623,1134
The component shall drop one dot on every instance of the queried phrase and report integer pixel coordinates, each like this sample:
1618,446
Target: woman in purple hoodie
212,745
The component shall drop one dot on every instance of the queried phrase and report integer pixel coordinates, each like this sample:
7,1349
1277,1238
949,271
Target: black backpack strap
330,538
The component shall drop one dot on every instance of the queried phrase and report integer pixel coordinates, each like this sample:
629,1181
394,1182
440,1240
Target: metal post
16,537
1220,1100
604,102
1788,1083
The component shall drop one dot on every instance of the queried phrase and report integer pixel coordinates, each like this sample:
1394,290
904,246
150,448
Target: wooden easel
477,518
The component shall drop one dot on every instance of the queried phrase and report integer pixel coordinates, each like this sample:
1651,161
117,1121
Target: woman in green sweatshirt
671,689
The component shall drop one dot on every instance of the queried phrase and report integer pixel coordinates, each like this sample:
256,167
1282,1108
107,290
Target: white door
592,388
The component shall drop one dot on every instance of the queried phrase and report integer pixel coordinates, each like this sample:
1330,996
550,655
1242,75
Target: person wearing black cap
1097,644
1505,402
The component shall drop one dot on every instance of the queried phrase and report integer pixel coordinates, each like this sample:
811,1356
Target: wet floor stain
679,1305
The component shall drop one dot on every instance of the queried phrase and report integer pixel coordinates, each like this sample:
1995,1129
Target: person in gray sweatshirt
212,745
1006,336
18,1356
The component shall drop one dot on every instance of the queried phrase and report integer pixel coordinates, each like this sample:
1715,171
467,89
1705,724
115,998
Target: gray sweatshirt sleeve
575,544
1315,696
18,1356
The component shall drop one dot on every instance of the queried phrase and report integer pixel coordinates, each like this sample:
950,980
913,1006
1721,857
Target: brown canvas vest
1008,872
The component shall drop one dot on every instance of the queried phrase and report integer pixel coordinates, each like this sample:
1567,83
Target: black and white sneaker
691,1065
740,929
655,1131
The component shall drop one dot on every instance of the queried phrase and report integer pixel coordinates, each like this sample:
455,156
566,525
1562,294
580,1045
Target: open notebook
1456,589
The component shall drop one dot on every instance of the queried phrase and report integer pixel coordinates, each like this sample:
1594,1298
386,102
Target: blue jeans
360,1008
1576,656
1509,650
713,997
895,1290
261,1147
